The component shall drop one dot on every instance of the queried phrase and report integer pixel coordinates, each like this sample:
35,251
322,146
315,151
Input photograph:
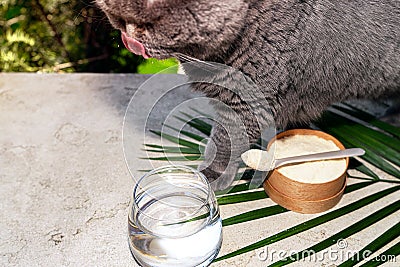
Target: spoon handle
351,152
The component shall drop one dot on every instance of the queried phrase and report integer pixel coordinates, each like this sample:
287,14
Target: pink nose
133,45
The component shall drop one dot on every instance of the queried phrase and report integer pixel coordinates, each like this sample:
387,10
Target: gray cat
302,55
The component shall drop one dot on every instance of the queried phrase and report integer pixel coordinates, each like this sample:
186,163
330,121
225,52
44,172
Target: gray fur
302,55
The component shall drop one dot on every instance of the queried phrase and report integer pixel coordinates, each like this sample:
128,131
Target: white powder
308,172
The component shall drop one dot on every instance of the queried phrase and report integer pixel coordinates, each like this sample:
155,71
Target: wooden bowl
301,205
300,196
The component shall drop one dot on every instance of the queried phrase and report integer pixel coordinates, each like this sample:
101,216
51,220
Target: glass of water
174,219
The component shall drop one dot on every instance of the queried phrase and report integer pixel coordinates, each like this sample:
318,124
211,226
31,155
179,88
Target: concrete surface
65,187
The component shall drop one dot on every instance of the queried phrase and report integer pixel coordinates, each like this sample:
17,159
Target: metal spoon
263,161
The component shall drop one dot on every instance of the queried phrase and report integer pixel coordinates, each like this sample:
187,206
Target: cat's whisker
192,59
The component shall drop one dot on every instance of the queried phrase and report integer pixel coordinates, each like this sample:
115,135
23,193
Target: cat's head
160,28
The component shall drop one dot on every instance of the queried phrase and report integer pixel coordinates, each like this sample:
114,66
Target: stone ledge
65,188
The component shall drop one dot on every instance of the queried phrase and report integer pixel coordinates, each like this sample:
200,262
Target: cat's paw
221,181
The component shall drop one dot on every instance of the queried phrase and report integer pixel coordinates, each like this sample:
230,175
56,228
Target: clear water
178,230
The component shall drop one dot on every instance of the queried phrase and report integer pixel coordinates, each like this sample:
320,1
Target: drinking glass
174,219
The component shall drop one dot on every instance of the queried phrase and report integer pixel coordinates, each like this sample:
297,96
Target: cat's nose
136,30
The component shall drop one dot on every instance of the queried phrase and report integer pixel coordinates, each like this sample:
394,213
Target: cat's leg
232,134
242,112
221,162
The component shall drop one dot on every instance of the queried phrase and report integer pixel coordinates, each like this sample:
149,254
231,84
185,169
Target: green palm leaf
312,223
178,158
186,133
176,140
197,123
364,116
239,198
386,256
351,139
380,140
254,214
174,150
378,243
363,169
356,227
236,189
274,210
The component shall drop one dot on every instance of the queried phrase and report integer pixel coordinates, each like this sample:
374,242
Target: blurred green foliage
152,65
64,36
